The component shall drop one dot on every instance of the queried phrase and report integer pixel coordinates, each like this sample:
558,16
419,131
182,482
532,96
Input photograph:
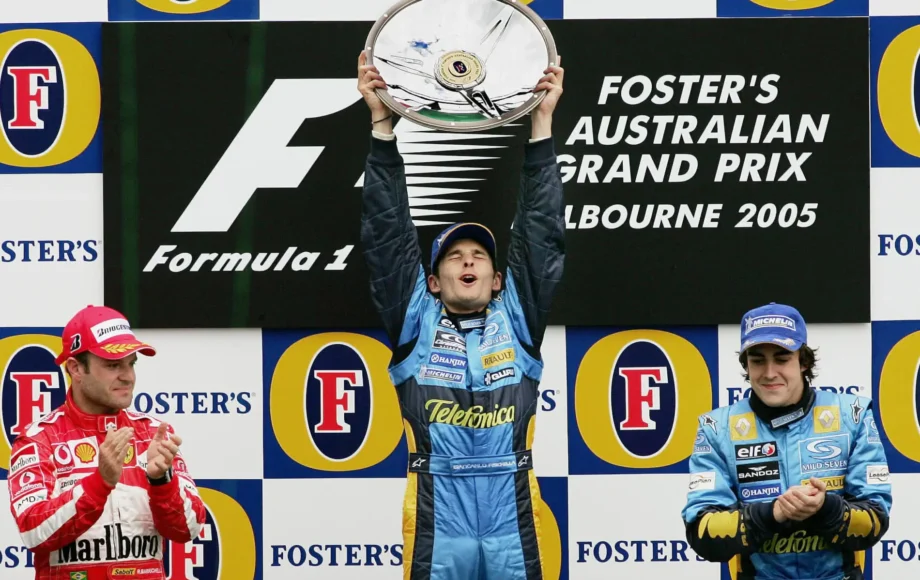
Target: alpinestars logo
431,192
259,158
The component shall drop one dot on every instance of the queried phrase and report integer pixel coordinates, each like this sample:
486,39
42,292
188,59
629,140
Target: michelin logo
752,324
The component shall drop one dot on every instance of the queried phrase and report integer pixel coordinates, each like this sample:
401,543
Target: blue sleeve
536,253
857,519
390,242
718,526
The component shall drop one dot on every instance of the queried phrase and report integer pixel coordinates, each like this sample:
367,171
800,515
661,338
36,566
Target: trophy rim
450,126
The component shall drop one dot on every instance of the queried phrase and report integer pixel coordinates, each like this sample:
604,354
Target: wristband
380,120
167,477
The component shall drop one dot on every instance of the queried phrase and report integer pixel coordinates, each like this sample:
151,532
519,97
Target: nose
770,370
128,375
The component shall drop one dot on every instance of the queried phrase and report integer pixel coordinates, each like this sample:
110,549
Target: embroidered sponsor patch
766,471
454,362
702,481
24,458
877,475
763,450
760,492
449,341
497,358
429,373
824,453
498,375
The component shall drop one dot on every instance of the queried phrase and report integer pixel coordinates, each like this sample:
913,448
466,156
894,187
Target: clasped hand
800,502
160,454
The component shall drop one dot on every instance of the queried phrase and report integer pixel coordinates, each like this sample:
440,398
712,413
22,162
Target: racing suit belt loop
471,466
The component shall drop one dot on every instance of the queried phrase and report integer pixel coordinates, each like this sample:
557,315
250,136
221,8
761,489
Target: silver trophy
461,65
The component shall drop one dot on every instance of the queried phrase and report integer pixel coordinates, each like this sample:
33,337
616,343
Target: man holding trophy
466,350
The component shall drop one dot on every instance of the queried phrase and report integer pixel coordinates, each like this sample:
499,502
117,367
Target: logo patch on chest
752,473
830,453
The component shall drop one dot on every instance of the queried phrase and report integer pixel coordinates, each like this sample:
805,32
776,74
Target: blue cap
451,234
774,324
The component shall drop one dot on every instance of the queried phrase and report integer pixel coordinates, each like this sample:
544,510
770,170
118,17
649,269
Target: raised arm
537,250
388,236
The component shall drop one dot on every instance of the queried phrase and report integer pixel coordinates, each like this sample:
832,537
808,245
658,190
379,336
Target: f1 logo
641,396
259,156
335,400
28,96
34,402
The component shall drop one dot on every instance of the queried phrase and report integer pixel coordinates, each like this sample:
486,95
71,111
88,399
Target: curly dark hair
807,358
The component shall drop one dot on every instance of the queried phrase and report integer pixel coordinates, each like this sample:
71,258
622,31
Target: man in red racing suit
95,489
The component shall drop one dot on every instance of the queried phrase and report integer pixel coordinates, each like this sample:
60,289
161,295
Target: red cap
102,331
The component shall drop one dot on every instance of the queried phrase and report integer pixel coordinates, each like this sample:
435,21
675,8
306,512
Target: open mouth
468,279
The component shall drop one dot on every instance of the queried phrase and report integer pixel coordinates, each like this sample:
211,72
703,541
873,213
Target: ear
73,367
497,281
433,284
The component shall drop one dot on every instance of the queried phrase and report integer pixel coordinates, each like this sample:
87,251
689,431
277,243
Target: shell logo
85,452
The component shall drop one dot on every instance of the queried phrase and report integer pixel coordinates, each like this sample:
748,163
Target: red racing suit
74,522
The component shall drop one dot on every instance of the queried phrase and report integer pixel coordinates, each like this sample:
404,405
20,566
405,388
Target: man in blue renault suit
466,356
793,482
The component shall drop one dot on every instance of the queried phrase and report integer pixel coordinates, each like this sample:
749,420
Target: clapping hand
800,502
162,451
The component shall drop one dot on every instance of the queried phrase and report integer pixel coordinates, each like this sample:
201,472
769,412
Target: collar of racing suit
90,422
465,322
782,416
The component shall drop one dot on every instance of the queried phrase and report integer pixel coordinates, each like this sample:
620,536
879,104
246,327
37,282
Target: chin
776,398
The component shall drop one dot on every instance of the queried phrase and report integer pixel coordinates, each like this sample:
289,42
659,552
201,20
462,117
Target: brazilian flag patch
78,576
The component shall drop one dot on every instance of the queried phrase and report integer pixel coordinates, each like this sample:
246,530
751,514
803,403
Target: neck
90,408
779,416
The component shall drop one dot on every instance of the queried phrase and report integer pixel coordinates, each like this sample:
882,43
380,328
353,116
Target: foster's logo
333,407
226,545
31,385
49,98
637,397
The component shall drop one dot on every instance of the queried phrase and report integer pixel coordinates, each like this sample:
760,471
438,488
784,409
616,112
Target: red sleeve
178,512
47,524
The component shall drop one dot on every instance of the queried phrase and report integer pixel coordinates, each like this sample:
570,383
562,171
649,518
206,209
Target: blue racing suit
467,385
747,454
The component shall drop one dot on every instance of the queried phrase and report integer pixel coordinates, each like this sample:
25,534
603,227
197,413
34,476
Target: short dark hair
83,359
807,358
